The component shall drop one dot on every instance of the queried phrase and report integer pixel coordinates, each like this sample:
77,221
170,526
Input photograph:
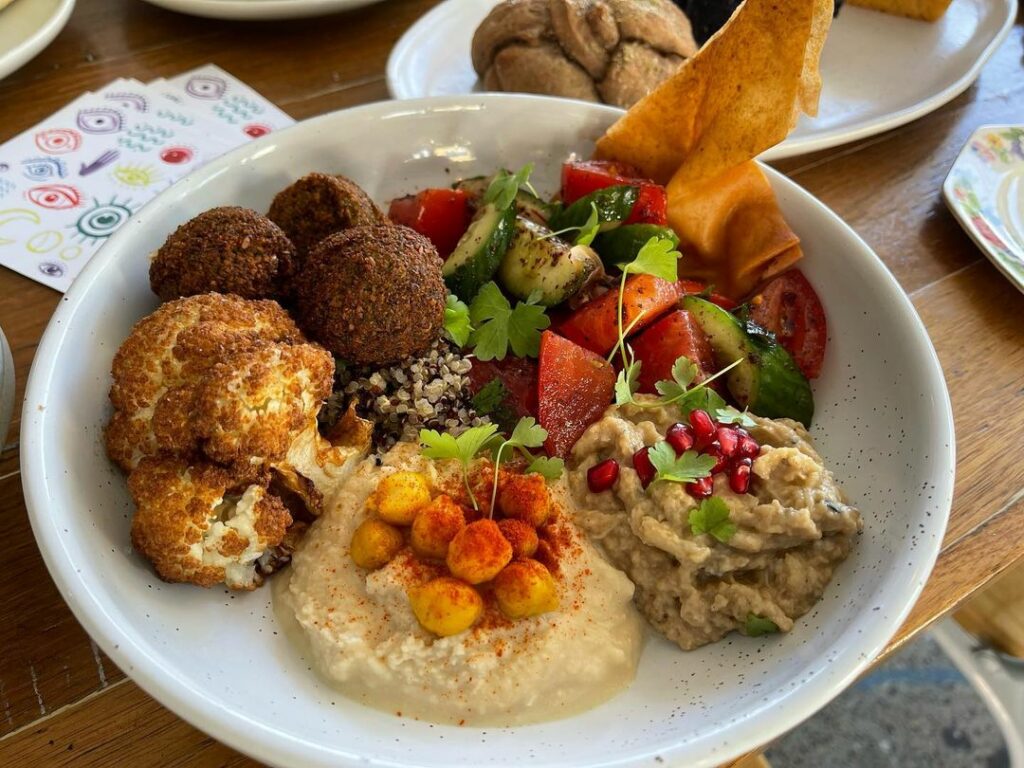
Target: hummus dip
793,528
363,636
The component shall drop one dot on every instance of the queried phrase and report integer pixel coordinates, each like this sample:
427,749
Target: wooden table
62,702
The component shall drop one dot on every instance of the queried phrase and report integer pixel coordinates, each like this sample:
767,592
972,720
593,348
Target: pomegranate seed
739,476
700,489
680,437
728,439
643,466
602,475
719,453
747,447
703,426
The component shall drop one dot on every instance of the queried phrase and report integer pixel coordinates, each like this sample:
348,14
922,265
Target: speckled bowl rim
259,738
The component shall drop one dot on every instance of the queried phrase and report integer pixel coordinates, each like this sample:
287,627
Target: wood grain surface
63,703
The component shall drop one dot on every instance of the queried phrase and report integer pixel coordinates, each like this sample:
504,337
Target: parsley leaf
712,517
525,324
490,397
442,445
658,257
729,415
456,320
498,325
687,468
548,468
683,373
504,186
755,626
625,384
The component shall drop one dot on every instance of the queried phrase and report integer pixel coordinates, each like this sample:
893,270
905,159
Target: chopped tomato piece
518,375
574,386
440,215
676,335
687,287
789,307
595,325
581,178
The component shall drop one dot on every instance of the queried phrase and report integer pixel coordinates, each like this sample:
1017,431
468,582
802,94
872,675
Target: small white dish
879,71
221,661
27,27
985,192
260,10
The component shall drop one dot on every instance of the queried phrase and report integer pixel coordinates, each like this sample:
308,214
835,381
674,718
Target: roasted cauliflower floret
167,351
254,403
197,523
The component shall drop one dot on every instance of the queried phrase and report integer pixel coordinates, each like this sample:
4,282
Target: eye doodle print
55,197
136,175
43,168
99,120
256,130
58,141
209,87
50,269
102,220
6,187
136,102
176,155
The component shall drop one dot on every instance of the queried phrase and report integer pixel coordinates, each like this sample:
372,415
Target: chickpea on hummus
786,533
537,656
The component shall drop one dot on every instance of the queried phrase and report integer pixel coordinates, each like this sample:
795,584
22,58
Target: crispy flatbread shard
731,230
741,94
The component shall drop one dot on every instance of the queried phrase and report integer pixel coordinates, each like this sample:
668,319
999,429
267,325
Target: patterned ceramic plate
985,191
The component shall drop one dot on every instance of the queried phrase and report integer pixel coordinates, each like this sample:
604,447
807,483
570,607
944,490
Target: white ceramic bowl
219,661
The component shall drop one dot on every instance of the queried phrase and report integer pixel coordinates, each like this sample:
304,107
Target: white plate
985,192
255,10
27,27
219,661
879,71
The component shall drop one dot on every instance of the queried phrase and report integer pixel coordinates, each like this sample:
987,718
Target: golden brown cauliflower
197,523
168,350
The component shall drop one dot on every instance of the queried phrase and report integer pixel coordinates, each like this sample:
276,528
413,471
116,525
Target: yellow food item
927,10
374,543
478,552
446,606
399,496
525,497
525,588
435,526
521,535
740,94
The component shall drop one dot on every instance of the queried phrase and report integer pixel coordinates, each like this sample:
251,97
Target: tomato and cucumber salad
570,304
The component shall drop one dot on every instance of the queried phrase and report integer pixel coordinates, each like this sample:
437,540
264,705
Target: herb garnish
464,448
504,186
456,320
586,233
755,626
712,517
688,468
442,445
498,325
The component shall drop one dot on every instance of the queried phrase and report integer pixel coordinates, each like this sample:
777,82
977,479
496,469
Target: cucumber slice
614,204
479,252
767,381
535,261
527,205
622,244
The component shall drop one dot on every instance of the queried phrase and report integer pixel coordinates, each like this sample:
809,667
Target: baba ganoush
792,528
363,635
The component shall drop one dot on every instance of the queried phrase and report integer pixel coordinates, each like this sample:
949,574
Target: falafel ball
318,205
372,295
224,250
